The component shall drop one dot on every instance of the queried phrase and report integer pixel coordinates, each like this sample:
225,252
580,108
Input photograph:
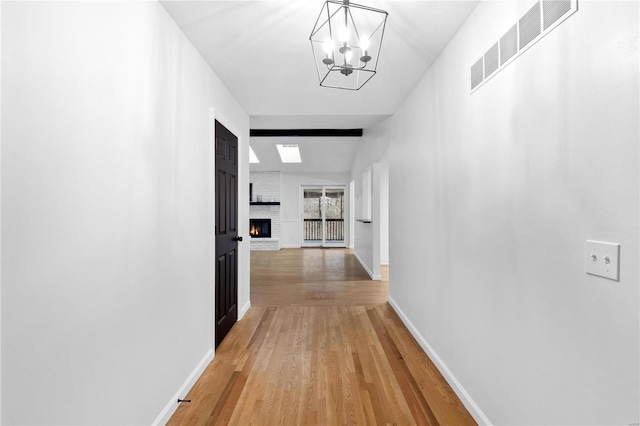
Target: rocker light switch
603,259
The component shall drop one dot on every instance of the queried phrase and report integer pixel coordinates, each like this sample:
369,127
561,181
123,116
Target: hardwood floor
313,276
319,345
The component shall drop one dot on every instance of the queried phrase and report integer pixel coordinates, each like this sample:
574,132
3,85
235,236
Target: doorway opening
323,216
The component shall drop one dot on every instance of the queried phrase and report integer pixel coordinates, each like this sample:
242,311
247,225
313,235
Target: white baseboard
172,405
376,277
244,310
292,246
464,396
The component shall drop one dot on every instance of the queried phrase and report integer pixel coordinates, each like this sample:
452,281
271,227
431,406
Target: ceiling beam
306,132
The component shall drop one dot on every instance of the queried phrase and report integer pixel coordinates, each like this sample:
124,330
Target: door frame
212,215
323,188
352,214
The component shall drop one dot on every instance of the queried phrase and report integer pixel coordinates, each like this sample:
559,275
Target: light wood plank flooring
313,276
319,345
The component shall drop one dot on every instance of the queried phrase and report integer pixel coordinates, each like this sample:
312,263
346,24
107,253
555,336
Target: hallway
494,154
319,346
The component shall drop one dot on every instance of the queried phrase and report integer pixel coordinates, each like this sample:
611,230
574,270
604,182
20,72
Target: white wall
384,211
372,153
506,185
291,224
107,210
0,214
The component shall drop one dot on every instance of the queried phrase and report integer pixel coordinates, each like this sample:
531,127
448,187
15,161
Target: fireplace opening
260,228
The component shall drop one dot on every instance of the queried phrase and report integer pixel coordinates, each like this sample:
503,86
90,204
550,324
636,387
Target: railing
334,229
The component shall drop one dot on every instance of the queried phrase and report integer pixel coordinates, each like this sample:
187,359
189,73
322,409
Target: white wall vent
554,10
509,44
491,60
540,20
529,25
476,74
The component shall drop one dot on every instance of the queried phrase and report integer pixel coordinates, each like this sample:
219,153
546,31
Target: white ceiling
315,121
260,49
319,154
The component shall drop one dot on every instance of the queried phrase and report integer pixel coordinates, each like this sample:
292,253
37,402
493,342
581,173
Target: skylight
253,158
289,153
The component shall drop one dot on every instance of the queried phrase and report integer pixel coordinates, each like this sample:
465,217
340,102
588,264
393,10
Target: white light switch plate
603,259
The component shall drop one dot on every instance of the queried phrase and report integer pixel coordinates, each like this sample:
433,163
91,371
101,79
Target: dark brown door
226,230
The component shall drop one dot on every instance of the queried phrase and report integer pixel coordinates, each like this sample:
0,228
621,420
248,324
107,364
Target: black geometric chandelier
346,41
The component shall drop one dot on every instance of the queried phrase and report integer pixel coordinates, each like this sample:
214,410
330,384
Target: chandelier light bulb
364,43
348,56
343,33
327,46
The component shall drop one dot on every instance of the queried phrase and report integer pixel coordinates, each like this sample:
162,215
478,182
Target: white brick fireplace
265,194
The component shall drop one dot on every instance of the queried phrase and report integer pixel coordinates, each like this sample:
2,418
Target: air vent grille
539,21
491,60
530,25
509,44
552,10
476,73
